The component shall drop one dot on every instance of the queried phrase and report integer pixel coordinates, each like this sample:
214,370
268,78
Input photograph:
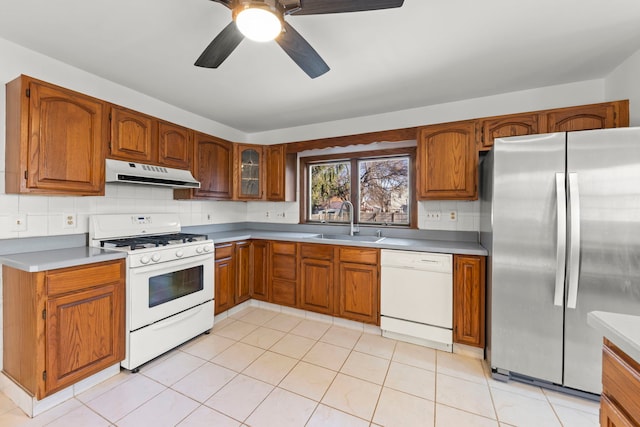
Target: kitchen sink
346,237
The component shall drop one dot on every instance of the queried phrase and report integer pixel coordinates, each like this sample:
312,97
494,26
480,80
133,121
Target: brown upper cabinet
280,172
447,162
584,117
587,117
248,172
213,166
55,140
175,145
140,138
505,126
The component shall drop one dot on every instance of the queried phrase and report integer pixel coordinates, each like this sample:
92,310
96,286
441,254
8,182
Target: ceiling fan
263,20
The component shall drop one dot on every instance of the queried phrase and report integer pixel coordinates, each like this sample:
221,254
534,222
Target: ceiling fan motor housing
272,6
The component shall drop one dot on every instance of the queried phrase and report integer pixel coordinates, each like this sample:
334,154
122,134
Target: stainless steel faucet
351,227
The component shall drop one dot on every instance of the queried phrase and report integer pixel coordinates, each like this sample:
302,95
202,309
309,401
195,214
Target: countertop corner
621,329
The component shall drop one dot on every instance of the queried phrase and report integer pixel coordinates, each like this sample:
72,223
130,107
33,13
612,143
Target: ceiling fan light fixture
258,21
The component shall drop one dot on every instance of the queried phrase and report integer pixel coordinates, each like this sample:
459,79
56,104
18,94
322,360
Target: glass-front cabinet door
249,173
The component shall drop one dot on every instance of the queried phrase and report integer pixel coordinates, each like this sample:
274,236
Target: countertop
621,329
422,245
59,258
69,257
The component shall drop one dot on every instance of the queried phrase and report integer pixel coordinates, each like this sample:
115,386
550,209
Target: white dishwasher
416,302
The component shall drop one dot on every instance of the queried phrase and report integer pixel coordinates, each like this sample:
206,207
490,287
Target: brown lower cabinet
260,270
62,325
469,300
232,275
334,280
359,284
283,280
317,278
620,405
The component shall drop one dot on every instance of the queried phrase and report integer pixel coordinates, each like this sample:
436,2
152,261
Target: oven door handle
161,324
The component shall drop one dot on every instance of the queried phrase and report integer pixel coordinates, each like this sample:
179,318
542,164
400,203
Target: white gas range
170,284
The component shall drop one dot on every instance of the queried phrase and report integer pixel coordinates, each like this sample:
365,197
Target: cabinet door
586,117
248,172
447,162
174,146
260,270
469,300
225,278
84,334
213,167
65,140
358,292
611,416
132,136
316,285
243,272
505,126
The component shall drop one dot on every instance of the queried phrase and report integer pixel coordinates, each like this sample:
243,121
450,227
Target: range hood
140,173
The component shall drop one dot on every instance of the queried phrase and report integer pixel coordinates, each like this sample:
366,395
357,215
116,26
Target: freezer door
526,325
606,164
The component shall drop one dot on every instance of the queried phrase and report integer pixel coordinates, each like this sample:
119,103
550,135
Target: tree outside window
381,195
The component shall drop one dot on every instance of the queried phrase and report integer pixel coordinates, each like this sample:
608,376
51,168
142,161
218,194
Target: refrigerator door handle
574,245
561,245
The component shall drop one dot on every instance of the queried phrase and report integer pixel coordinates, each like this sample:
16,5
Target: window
377,185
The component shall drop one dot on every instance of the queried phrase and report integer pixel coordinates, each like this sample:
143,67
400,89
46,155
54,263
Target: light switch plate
19,222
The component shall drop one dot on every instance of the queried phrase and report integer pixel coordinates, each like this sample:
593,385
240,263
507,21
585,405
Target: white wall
44,214
585,92
624,83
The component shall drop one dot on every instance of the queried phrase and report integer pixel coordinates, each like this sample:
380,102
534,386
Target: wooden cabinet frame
66,324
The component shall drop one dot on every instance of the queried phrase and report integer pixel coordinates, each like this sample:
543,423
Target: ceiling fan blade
301,52
317,7
221,47
224,2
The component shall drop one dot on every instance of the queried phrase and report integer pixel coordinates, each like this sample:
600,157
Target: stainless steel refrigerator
560,216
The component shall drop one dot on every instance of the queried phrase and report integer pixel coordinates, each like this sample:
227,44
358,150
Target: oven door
158,291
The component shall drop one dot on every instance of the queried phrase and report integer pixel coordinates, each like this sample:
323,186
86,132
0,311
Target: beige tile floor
268,369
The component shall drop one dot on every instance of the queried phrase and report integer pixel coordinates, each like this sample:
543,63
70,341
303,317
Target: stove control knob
155,257
179,254
207,248
199,249
145,259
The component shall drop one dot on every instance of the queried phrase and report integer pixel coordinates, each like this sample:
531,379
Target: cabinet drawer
224,250
621,380
283,248
76,278
359,255
283,267
316,251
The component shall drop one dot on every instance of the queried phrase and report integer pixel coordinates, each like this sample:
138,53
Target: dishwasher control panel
436,262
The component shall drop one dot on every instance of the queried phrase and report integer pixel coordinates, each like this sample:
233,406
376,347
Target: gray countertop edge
70,257
621,329
422,245
59,258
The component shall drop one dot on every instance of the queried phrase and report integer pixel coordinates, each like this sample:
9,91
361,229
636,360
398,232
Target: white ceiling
426,52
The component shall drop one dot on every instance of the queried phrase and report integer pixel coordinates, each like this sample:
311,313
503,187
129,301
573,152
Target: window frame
353,158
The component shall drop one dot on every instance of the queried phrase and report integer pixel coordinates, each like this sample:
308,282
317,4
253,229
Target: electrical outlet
453,216
69,220
19,222
267,214
433,215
